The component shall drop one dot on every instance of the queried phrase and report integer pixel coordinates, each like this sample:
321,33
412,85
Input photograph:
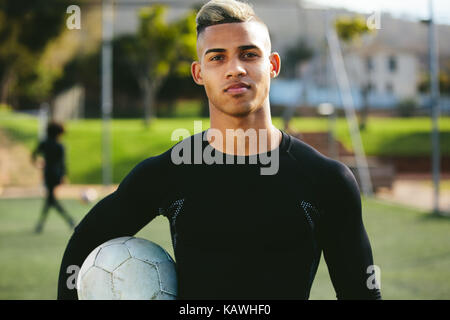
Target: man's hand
38,162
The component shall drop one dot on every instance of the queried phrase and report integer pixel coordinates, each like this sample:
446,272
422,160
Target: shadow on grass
425,260
431,216
409,144
18,136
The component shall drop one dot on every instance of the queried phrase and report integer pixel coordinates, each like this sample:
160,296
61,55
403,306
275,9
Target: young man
239,232
54,172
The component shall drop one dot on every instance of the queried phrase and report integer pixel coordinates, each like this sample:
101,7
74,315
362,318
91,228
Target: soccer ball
88,195
127,268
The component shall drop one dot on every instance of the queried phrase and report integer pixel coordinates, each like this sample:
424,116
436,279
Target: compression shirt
237,233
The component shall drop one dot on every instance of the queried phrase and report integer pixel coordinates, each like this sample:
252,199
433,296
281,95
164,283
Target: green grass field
132,142
410,247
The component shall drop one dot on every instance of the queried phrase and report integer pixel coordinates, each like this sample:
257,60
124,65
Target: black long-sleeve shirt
55,162
237,233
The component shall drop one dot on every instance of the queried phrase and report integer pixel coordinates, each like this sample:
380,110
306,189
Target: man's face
235,66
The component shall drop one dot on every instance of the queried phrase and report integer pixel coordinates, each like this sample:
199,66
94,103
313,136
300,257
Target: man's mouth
239,87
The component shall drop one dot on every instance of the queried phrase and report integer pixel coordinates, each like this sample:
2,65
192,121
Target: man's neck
247,135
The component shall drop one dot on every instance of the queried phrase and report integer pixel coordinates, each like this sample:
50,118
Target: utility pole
107,97
349,107
434,105
434,78
43,116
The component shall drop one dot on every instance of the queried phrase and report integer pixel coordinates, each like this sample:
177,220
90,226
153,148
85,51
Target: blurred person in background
54,171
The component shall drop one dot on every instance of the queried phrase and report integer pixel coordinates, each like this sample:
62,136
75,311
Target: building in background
382,72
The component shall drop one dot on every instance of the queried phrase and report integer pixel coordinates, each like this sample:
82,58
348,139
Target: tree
26,28
296,55
158,50
349,30
444,82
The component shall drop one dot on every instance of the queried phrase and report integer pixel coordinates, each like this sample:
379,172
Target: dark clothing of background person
54,171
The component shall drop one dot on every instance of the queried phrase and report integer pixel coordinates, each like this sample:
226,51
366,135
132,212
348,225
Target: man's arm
35,152
344,240
123,213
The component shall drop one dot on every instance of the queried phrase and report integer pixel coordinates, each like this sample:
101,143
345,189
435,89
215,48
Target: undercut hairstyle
224,11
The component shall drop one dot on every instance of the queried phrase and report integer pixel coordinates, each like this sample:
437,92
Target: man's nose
235,69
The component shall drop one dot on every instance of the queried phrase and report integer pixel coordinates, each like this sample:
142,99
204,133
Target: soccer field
411,248
132,143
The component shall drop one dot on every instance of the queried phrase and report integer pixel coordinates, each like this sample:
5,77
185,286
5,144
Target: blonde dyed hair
224,11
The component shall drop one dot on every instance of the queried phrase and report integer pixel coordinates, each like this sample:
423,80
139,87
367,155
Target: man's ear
197,72
275,64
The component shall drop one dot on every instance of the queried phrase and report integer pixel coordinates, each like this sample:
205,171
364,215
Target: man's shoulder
333,181
315,163
307,155
155,162
165,159
152,170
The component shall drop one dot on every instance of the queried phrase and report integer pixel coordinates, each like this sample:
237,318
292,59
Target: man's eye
250,55
216,58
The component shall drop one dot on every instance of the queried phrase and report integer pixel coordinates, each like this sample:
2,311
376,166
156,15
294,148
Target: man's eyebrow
214,50
248,47
242,48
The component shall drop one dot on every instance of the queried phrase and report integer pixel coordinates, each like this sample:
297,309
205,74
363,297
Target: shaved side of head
217,12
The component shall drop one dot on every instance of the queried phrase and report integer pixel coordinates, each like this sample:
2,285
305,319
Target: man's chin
239,111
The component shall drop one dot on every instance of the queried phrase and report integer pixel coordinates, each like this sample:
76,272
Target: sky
410,9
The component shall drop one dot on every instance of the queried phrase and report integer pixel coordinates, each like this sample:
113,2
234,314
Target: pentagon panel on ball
128,268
